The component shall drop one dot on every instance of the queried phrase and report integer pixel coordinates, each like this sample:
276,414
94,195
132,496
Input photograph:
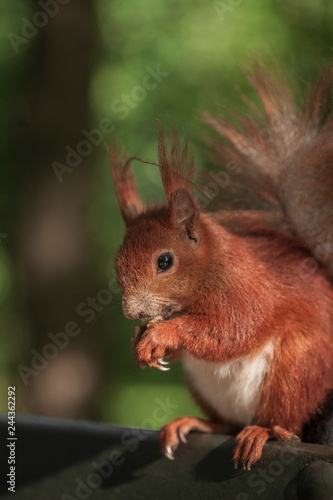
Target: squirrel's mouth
167,313
149,308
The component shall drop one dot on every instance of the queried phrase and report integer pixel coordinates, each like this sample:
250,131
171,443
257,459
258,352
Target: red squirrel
242,296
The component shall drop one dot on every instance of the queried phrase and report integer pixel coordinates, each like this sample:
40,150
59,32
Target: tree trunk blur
55,255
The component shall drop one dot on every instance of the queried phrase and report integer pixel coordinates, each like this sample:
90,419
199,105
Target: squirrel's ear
126,191
184,213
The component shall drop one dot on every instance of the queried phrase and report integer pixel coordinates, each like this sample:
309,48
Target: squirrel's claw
163,368
162,361
169,453
250,442
182,436
161,365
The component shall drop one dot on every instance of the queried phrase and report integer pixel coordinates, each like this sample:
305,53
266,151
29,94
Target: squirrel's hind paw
171,434
250,442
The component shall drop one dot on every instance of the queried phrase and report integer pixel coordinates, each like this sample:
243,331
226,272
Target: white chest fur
232,388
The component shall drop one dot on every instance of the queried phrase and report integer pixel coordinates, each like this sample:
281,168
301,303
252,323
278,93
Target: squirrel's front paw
149,349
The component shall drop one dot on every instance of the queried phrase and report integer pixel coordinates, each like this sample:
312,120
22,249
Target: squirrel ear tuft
176,163
184,214
126,191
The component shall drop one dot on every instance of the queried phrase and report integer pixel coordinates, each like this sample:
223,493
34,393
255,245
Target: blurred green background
76,73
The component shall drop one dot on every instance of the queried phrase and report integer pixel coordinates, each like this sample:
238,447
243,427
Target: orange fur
241,280
127,194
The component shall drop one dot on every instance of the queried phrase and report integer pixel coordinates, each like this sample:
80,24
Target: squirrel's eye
164,262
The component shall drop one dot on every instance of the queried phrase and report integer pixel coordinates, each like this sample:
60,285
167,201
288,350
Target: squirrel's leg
250,442
172,433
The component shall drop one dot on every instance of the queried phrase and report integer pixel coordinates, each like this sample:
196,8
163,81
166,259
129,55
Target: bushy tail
285,156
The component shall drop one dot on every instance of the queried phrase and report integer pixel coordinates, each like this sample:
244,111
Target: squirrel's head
160,260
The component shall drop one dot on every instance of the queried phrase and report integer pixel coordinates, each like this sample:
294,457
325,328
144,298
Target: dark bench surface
67,460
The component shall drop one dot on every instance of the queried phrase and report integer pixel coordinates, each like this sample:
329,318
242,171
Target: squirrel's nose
131,309
126,309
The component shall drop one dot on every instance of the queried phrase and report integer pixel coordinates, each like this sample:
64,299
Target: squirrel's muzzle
145,306
138,307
